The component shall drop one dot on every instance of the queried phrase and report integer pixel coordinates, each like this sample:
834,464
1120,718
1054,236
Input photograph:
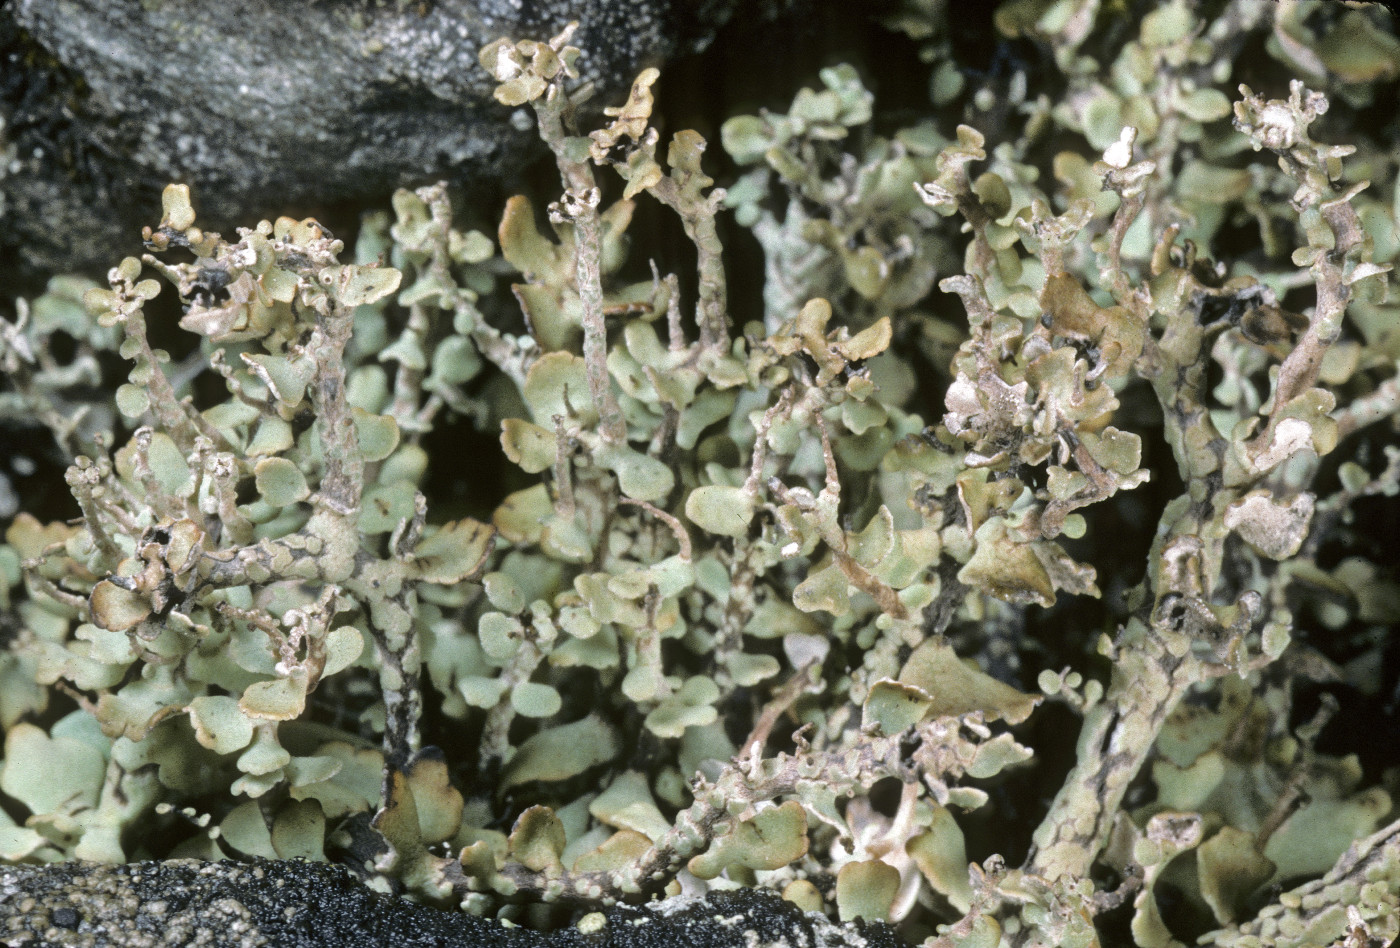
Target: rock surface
264,904
268,108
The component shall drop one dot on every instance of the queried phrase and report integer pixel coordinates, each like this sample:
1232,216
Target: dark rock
316,905
265,108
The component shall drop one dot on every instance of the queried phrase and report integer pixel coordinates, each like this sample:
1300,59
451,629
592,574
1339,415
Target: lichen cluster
781,603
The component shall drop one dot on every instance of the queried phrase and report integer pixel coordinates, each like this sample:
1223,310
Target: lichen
794,605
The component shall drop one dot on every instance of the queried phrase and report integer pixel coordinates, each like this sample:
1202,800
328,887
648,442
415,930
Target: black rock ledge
294,904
